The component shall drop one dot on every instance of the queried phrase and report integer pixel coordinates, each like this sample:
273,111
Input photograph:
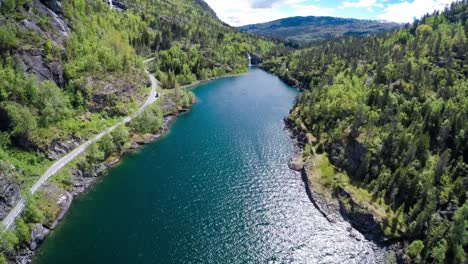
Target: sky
243,12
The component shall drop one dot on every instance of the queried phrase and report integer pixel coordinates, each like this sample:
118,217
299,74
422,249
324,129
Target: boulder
38,234
119,5
113,159
296,163
64,201
134,145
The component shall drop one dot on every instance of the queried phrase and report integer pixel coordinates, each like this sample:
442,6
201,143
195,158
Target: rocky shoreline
81,182
335,209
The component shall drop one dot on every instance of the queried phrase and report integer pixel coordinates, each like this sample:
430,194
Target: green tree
53,104
438,252
150,121
22,231
8,38
20,118
107,146
415,249
120,138
94,154
459,235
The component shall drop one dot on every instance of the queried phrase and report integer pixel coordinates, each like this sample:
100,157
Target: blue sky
242,12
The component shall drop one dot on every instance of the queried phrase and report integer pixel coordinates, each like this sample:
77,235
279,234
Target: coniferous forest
390,113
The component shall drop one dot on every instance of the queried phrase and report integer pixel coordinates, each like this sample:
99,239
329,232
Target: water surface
216,189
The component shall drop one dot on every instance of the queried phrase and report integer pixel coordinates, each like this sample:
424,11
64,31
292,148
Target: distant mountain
311,28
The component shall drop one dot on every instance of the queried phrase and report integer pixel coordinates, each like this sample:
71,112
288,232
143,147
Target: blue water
216,189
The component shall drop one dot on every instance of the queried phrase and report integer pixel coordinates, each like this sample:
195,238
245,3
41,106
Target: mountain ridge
315,28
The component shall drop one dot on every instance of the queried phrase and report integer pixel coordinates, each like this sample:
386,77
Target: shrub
22,231
8,240
32,213
8,38
150,121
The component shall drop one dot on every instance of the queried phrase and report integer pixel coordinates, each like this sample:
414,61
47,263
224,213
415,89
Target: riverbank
217,181
198,82
285,76
336,203
82,180
81,183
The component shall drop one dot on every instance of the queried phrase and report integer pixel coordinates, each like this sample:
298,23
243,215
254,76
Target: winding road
59,164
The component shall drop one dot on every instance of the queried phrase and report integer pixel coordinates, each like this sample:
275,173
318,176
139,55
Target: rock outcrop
34,60
111,88
38,234
33,63
347,154
54,5
359,216
340,206
256,59
59,148
296,163
64,201
120,5
83,177
10,192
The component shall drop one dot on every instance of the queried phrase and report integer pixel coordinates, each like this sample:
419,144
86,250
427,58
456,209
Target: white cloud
362,4
243,12
263,3
408,11
311,10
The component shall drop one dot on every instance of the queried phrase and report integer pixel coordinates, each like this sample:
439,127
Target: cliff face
36,60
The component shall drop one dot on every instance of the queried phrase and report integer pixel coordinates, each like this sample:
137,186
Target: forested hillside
312,29
62,79
390,114
69,69
385,118
192,43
